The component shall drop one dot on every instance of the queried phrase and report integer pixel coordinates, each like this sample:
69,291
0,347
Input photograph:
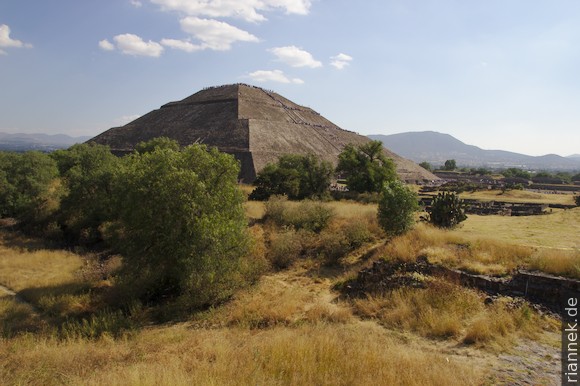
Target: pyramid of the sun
255,125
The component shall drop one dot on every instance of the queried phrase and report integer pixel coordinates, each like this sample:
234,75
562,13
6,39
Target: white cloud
106,45
340,61
273,76
7,42
295,57
248,10
181,45
136,3
133,45
121,121
214,34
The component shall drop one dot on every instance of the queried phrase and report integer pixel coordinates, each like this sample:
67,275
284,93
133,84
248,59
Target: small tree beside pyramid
366,167
295,176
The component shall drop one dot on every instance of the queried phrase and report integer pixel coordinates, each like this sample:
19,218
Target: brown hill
255,125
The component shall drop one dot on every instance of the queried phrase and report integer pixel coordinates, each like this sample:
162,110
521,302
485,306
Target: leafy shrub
88,172
365,198
157,144
308,215
28,187
337,241
397,207
447,210
276,210
285,248
357,234
181,225
296,176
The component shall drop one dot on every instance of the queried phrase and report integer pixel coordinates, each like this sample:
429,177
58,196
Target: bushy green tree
366,167
296,176
157,143
87,172
426,165
446,210
181,225
450,164
28,186
516,173
397,206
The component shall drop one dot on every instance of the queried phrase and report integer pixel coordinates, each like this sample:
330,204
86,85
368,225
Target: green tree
181,225
157,143
426,165
446,210
87,172
516,173
28,186
366,167
480,171
397,206
296,176
450,164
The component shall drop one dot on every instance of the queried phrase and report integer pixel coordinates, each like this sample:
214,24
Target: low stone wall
538,288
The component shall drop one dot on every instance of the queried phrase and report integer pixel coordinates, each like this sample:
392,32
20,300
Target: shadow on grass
68,311
13,237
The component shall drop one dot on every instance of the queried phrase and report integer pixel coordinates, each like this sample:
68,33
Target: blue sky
499,74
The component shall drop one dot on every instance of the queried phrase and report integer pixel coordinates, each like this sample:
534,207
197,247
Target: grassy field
292,328
560,229
520,196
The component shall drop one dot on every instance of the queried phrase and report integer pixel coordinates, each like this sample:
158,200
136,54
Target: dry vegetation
307,355
519,196
289,328
444,310
559,229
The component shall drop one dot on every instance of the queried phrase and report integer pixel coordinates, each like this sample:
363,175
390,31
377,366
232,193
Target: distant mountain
436,148
41,142
574,156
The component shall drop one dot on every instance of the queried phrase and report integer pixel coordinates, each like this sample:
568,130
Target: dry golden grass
439,311
282,299
479,255
519,196
558,262
21,269
353,210
420,240
16,317
178,355
254,209
500,325
51,280
342,209
559,229
444,310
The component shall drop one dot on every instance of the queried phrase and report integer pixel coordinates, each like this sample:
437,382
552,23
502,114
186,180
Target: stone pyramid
255,125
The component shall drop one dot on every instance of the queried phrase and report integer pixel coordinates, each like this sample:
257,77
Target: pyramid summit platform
255,125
